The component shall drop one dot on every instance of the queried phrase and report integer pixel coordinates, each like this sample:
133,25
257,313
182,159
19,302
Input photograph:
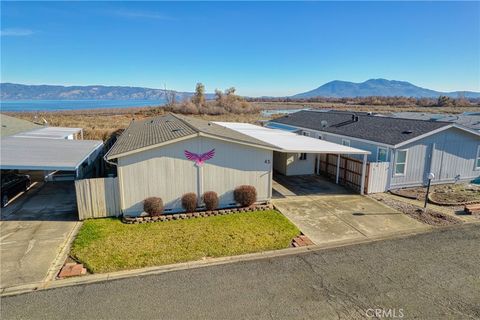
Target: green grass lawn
105,245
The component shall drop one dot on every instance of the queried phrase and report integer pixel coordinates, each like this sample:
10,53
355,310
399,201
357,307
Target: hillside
379,87
12,91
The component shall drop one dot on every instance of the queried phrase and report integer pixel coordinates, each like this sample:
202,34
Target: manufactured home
409,149
168,156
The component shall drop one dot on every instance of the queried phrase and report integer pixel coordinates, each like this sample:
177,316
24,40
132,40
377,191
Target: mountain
12,91
379,87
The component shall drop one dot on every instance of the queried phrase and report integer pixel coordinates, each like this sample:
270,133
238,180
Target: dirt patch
430,217
445,194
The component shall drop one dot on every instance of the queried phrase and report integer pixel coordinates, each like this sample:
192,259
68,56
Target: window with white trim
382,154
346,142
477,161
400,162
306,133
303,156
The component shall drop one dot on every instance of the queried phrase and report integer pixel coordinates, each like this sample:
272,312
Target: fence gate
378,177
97,198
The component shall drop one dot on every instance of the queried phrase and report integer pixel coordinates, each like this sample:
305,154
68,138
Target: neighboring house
467,119
412,148
168,156
51,153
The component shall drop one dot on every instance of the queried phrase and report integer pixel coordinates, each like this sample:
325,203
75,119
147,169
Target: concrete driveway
331,218
33,231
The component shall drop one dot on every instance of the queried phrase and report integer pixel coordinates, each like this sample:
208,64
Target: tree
199,96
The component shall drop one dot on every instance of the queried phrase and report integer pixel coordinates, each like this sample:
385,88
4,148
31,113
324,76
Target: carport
291,147
76,157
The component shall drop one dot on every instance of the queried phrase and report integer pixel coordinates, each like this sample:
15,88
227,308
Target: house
467,119
168,156
49,153
410,149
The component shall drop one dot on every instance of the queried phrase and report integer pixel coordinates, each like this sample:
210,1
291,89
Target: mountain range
379,87
13,91
333,89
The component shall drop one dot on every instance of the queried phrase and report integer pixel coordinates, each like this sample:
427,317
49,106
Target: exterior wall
289,164
165,172
449,154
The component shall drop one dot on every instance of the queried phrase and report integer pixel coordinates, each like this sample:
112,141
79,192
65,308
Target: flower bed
199,214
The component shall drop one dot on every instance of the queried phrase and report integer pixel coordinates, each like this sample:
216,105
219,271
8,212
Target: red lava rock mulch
302,241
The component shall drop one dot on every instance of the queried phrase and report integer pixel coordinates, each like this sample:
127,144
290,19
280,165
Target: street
428,276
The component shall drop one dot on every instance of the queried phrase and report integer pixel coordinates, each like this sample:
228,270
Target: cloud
16,32
141,15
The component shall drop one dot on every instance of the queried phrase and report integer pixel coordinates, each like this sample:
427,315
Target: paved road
428,276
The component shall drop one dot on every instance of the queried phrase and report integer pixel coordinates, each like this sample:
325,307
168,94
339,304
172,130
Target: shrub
245,195
189,202
210,198
153,206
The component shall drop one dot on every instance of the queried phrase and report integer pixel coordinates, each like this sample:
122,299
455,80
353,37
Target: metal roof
387,130
11,125
49,132
285,141
158,130
45,154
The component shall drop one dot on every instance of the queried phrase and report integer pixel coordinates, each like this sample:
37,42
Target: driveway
327,212
33,231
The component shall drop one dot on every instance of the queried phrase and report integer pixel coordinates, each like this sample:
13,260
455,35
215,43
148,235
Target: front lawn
105,245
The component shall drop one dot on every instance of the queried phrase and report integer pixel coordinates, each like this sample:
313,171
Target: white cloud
16,32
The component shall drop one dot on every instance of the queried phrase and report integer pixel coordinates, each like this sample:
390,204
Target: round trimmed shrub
210,198
189,202
245,195
153,206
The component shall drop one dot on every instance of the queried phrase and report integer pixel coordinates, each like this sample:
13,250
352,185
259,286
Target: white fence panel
378,177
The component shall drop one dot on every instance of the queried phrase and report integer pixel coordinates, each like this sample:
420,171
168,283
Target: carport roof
45,154
48,132
290,142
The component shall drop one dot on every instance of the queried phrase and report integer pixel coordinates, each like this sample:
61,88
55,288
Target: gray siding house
411,149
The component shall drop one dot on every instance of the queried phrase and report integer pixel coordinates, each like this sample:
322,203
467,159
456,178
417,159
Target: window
401,162
346,142
303,156
382,154
477,161
305,133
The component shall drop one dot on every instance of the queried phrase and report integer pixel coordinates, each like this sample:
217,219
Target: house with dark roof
168,156
409,149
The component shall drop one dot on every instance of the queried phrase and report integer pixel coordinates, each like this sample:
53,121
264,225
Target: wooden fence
350,174
97,198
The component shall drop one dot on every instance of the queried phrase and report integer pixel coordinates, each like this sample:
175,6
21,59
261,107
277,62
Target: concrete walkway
35,228
332,218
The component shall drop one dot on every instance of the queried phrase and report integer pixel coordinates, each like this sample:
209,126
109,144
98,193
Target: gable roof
159,130
386,130
11,125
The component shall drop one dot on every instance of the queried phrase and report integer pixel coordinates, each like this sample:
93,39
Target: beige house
151,161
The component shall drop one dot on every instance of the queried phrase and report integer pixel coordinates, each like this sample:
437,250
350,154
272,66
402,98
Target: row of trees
225,102
442,101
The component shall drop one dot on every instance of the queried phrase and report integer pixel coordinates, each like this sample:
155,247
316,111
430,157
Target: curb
95,278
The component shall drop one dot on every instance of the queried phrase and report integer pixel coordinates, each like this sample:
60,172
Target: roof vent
324,123
407,131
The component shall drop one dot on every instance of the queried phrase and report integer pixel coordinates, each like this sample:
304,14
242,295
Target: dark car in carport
13,184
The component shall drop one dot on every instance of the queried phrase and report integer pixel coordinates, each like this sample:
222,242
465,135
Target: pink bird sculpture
199,158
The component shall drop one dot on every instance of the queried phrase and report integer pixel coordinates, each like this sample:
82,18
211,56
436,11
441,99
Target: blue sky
261,48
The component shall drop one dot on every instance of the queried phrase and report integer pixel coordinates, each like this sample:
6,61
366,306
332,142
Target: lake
62,105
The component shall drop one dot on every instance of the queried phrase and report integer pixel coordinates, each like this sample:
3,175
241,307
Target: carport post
338,169
364,169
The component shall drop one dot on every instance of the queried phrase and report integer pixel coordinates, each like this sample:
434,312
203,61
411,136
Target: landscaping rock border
198,214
